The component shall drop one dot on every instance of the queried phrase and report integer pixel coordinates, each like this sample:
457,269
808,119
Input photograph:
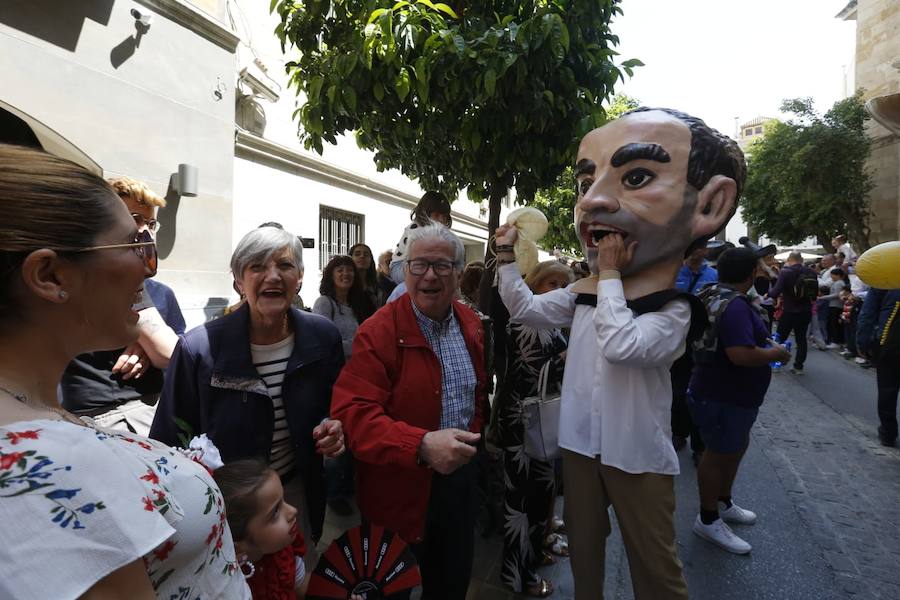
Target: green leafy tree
478,95
557,201
807,176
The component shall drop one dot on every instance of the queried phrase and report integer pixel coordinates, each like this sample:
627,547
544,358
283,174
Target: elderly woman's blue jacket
212,387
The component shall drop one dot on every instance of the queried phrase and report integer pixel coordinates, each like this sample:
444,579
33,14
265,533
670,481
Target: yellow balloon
879,266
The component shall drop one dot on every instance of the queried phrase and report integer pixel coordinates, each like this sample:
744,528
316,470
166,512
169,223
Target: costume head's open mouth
591,233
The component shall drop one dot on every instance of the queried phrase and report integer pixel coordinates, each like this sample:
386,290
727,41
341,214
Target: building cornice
258,149
196,20
848,13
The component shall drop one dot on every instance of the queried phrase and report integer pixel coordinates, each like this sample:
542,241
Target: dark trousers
887,372
339,477
682,423
798,323
835,331
445,554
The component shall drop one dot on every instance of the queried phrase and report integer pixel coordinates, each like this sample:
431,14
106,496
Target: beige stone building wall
878,72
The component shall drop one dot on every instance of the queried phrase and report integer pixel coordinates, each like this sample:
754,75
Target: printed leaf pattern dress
91,500
529,484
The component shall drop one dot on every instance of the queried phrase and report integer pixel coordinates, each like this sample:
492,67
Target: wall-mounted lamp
185,181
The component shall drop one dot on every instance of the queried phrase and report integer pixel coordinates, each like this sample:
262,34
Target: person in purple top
728,386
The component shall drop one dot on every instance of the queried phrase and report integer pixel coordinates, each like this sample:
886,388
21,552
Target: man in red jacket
411,400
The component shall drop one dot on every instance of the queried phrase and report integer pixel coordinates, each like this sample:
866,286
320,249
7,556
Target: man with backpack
727,388
799,286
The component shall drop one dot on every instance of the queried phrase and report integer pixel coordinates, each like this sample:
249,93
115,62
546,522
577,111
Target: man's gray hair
260,244
435,231
795,257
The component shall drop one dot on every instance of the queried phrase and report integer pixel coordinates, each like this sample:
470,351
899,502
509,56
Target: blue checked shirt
458,379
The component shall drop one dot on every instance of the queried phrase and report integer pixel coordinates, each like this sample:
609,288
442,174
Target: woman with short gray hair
258,381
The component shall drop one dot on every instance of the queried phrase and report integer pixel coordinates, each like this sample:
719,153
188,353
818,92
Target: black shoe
678,442
886,439
341,506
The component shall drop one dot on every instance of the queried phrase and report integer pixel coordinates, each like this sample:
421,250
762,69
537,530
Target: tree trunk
488,297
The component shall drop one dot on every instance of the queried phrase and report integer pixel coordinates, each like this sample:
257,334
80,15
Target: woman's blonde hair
126,188
542,271
45,202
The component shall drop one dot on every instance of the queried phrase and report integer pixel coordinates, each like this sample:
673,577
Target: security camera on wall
144,18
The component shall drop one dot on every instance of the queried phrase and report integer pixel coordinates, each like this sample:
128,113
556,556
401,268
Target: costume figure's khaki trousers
644,505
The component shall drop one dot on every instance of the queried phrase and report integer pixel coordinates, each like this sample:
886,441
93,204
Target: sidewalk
828,499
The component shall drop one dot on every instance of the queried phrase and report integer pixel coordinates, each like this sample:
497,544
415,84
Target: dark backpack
807,285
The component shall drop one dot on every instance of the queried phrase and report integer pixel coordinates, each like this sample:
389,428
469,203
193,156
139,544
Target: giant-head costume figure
662,180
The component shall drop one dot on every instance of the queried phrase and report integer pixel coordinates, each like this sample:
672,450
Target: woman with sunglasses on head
119,388
109,514
258,380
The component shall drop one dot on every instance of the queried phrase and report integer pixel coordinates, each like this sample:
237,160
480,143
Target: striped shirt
458,379
270,361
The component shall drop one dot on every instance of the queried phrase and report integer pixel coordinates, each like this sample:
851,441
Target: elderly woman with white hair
258,381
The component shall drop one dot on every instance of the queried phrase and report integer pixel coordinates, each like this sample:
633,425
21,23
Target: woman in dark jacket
258,381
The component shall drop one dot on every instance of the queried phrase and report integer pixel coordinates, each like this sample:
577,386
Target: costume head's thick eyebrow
630,152
585,166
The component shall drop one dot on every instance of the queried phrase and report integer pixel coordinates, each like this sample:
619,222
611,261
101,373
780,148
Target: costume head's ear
716,203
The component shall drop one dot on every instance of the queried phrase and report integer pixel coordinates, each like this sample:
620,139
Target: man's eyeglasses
143,245
419,266
151,224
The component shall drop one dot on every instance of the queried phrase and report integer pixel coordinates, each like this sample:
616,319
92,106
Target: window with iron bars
339,230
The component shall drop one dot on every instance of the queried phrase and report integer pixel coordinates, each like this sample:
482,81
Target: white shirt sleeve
650,340
541,311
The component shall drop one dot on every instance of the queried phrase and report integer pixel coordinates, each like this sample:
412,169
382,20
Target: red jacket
388,397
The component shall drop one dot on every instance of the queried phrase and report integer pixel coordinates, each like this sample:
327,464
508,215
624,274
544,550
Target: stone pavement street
827,495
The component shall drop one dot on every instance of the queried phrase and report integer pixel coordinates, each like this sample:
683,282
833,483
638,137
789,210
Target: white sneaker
721,535
832,346
736,514
860,360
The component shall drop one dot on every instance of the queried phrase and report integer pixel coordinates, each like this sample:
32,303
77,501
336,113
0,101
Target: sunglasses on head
143,245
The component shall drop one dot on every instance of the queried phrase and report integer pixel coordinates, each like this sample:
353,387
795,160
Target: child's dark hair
431,202
239,482
736,265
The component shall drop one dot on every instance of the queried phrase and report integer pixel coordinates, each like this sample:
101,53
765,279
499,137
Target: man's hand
446,450
329,436
780,353
132,363
612,254
506,235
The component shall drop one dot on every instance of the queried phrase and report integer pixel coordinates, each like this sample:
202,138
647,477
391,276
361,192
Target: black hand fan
364,560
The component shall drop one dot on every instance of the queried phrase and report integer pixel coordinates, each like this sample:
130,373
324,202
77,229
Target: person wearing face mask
258,381
529,483
87,511
650,186
120,388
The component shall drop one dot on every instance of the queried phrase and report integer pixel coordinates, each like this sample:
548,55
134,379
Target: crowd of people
141,460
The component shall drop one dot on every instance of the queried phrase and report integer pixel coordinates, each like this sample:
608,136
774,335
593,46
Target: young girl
265,529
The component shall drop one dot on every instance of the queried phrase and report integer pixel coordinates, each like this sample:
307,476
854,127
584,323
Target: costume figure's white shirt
617,391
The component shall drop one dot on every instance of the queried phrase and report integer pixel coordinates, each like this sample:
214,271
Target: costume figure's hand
132,363
329,436
446,450
613,254
506,235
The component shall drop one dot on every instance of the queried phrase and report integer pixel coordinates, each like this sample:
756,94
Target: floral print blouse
77,503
